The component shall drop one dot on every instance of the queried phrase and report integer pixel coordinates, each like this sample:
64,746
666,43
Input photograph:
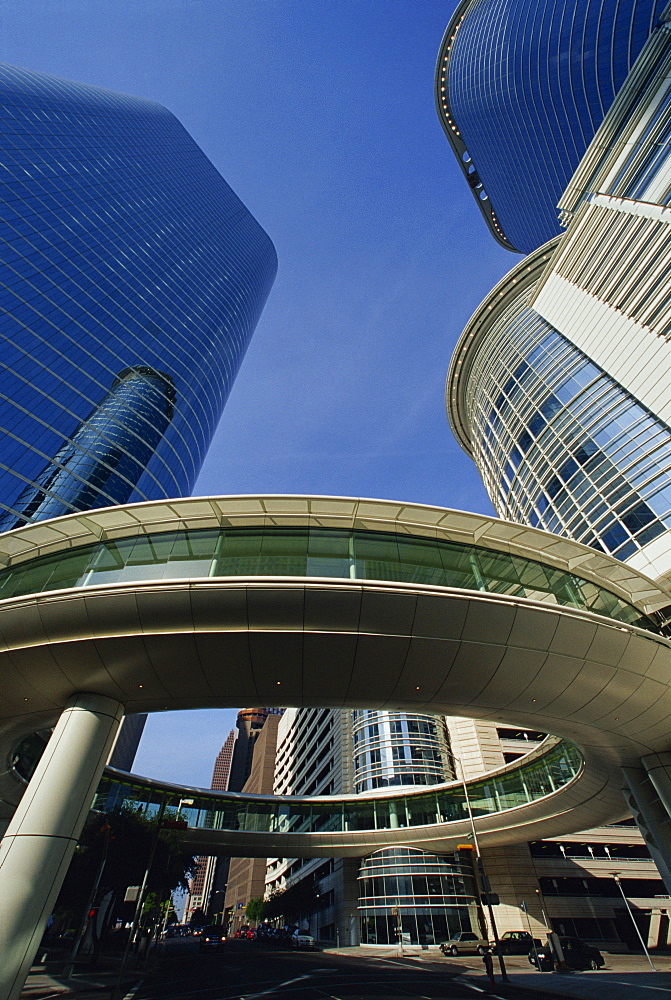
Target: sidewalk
624,977
46,981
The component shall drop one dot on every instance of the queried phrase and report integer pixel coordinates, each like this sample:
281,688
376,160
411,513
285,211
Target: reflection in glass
310,552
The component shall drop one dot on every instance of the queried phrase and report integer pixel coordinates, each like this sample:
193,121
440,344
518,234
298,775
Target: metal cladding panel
131,280
528,83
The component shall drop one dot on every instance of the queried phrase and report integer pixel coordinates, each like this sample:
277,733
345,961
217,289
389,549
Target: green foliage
121,841
256,909
299,900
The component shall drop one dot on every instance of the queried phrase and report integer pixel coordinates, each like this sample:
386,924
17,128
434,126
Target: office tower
403,890
222,764
559,390
424,897
200,893
314,757
559,386
232,768
132,280
247,876
250,724
521,88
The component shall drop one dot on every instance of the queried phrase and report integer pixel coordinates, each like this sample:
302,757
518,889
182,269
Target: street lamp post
481,868
140,898
616,876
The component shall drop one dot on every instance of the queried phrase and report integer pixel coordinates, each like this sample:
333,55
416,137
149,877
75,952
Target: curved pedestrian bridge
343,825
313,551
341,603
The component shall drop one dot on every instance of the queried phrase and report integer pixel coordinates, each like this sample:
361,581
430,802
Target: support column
651,817
658,766
40,840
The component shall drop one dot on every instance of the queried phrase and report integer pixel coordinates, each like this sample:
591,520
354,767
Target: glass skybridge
313,552
530,780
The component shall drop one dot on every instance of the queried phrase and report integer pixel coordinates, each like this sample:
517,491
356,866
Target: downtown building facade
131,280
395,891
233,767
559,386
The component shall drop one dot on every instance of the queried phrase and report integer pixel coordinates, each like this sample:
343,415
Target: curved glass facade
107,454
425,898
404,749
398,748
522,86
122,250
312,552
561,445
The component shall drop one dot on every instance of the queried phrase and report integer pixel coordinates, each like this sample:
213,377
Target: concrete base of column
40,840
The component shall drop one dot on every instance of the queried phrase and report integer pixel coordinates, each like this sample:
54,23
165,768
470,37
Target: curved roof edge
108,523
453,134
515,281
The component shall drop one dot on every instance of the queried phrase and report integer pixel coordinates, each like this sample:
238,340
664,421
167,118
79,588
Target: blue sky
320,115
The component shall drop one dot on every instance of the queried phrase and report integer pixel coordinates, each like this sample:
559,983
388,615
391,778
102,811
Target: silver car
302,939
465,943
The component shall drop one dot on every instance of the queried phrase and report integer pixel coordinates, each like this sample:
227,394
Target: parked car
515,943
464,943
302,939
577,955
212,937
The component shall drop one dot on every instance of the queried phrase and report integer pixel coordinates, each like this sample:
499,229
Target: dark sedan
577,955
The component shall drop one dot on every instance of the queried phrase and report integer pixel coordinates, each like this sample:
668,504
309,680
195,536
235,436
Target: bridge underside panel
222,643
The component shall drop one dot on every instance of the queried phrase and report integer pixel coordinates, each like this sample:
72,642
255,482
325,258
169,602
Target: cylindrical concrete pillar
40,840
651,817
658,766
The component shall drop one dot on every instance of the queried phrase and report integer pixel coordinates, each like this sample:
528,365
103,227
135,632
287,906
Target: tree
116,847
256,909
299,900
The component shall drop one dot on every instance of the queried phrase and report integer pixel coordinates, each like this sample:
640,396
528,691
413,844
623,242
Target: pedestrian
488,963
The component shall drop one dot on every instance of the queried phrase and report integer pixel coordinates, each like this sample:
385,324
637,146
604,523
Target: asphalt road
244,970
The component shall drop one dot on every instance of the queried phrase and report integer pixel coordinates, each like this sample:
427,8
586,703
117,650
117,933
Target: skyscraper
247,876
559,386
132,280
232,767
521,88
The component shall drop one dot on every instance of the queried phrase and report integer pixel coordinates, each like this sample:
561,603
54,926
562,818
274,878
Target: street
243,970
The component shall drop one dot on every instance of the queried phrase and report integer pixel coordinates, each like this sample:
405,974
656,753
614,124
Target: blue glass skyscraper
521,88
131,280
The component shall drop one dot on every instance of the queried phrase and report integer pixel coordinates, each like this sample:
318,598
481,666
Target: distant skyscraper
249,724
521,88
247,876
232,768
222,765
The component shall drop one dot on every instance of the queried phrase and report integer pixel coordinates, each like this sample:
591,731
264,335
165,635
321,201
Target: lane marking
660,989
131,993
